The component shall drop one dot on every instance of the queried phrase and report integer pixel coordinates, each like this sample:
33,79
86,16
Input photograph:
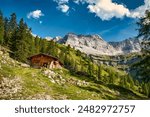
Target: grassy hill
19,81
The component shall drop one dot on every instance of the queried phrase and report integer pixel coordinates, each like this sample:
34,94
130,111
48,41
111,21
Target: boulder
25,65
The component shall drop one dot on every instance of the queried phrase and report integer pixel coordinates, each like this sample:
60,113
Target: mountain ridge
96,45
128,45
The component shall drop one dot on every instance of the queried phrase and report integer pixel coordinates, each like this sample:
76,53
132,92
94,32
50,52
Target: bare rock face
57,39
89,44
127,46
94,44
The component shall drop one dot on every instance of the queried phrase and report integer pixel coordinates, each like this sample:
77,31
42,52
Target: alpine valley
89,67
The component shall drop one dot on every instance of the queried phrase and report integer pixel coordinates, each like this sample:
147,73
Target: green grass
39,84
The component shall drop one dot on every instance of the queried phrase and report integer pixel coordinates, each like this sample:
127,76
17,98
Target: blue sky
114,20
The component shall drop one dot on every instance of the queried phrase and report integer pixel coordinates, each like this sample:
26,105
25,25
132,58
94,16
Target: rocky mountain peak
128,45
57,38
95,45
89,44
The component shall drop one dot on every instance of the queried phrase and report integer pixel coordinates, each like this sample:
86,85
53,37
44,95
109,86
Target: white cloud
107,9
63,7
35,14
61,1
140,11
79,1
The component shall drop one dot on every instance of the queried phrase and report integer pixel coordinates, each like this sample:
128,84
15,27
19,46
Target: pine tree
22,42
99,73
1,28
124,81
37,45
130,81
43,46
31,43
121,82
75,65
144,32
78,52
62,56
89,69
111,78
12,32
66,59
7,33
146,89
51,48
149,89
13,22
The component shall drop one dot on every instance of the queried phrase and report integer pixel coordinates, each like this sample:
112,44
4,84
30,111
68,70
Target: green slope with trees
141,69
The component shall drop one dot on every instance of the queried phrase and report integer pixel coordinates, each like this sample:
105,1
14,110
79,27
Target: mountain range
96,45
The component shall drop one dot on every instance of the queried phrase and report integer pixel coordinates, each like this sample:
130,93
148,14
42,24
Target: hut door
45,65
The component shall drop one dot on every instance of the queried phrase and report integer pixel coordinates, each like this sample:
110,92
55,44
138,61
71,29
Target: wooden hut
43,60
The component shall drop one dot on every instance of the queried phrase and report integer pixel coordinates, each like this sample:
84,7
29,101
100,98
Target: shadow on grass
103,95
128,94
83,76
91,89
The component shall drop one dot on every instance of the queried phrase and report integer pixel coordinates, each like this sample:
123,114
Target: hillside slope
19,81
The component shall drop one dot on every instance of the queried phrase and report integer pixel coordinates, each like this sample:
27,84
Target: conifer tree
130,81
125,82
31,42
1,28
111,77
7,34
149,89
144,31
90,67
22,43
13,22
51,48
43,46
75,65
66,59
99,72
37,45
146,89
12,32
121,81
